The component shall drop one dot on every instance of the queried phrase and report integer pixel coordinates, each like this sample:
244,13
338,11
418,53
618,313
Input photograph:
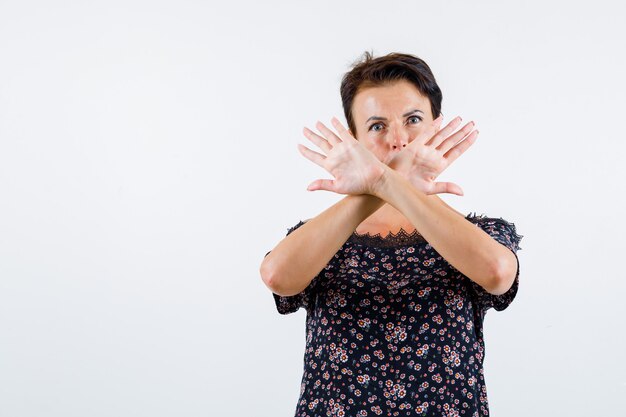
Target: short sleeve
305,298
505,233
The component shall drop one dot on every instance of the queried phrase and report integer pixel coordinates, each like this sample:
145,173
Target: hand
429,154
355,168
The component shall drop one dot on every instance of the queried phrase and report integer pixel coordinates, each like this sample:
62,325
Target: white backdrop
148,161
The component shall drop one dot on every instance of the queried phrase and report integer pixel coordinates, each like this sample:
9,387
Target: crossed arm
300,256
466,247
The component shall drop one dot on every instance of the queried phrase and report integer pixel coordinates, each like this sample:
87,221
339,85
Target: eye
374,125
418,119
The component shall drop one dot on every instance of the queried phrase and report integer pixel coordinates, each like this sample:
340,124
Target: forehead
389,99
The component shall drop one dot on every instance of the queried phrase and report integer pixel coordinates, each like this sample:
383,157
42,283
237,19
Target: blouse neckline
402,238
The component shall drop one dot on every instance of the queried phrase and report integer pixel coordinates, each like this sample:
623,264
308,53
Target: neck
387,218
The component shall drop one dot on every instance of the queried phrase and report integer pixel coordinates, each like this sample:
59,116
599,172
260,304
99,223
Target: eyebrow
404,115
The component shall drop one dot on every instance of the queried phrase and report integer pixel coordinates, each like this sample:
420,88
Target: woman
395,282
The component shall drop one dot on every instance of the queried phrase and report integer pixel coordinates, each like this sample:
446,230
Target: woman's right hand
431,152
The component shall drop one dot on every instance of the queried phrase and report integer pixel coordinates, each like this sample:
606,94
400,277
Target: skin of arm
466,247
299,257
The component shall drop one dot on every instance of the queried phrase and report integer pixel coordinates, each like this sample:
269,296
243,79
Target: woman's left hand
355,168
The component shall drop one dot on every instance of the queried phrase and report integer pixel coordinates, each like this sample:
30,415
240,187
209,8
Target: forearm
466,247
300,256
443,203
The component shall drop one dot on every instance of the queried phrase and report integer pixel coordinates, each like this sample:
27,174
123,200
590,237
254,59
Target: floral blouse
392,329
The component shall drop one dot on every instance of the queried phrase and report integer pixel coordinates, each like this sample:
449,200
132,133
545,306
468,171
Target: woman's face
387,118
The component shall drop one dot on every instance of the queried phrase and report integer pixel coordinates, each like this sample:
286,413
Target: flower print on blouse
393,329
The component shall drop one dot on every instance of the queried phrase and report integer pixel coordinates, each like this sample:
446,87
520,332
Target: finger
447,187
452,140
313,156
317,139
329,134
426,134
461,147
445,132
437,122
343,132
327,185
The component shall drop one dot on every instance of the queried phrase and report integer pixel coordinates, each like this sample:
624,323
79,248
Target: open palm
355,169
429,154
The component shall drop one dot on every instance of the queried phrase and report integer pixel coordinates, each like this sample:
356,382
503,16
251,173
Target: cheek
418,129
376,144
375,147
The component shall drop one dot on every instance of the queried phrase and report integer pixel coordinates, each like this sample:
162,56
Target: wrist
382,185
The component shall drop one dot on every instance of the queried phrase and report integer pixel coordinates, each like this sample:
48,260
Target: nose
399,137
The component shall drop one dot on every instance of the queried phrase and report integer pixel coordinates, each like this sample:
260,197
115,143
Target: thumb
447,187
327,185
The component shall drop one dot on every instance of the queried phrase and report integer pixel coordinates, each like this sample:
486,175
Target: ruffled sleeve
505,233
305,298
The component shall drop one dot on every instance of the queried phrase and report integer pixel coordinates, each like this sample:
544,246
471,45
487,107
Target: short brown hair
373,72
